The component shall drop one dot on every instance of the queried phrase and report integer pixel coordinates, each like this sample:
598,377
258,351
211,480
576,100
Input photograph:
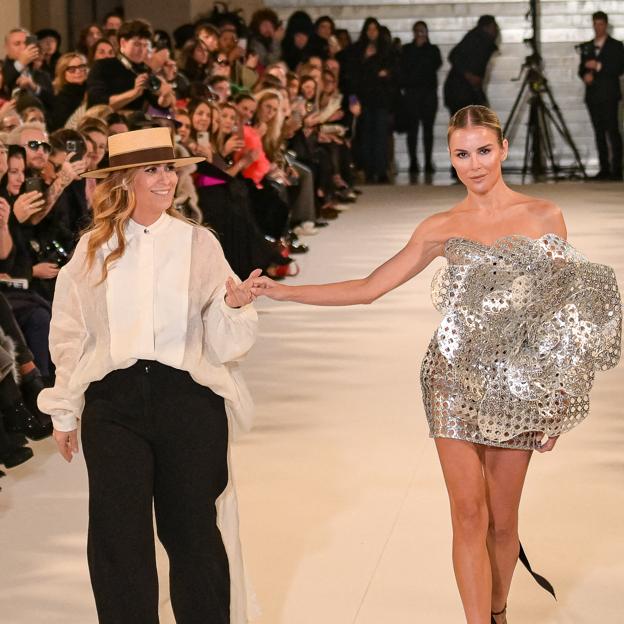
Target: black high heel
499,613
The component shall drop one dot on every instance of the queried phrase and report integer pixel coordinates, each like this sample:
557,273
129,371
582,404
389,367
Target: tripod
544,112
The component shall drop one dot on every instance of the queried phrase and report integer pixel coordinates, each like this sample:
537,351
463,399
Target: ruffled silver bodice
526,325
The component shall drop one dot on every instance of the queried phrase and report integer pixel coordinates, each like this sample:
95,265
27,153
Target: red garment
260,167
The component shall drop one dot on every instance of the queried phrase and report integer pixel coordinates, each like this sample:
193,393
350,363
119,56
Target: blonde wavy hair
272,140
113,203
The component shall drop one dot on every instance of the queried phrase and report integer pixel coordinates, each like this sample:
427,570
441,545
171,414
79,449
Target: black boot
30,386
18,419
12,454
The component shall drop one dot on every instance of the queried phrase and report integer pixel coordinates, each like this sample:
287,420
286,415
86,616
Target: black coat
606,84
418,67
373,90
41,78
111,77
67,100
471,55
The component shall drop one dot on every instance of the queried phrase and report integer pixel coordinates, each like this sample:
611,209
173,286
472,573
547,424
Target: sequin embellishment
526,325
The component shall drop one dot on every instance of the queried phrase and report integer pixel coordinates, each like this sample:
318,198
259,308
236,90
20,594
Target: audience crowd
292,115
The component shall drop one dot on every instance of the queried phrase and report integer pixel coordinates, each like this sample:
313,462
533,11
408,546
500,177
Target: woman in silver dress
527,322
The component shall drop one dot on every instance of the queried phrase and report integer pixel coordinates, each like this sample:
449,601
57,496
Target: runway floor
344,514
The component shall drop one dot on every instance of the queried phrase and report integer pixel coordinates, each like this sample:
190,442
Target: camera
153,83
55,253
586,50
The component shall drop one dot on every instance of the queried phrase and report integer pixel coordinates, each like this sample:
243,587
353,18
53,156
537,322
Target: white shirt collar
134,229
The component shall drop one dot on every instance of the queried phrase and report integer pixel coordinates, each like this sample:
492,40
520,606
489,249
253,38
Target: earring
124,185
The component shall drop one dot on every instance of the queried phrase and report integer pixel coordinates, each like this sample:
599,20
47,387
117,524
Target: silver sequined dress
526,325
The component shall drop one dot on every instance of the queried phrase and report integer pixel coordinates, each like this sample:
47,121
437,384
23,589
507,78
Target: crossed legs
484,486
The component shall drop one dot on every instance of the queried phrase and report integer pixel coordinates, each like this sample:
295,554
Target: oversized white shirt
162,300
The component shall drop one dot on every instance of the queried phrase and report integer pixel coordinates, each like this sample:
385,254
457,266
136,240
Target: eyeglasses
35,145
74,69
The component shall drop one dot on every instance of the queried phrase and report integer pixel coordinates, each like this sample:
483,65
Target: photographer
22,50
469,60
602,64
126,82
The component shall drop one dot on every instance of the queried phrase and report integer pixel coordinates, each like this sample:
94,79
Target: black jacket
111,77
373,90
41,79
606,84
471,55
418,67
67,100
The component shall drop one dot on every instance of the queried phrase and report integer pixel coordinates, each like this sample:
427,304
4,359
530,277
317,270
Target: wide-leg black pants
153,436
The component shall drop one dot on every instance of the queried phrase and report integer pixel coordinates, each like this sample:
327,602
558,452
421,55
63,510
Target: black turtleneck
67,100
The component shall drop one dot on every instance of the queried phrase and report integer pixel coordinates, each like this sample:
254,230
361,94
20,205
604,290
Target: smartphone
78,147
239,129
203,139
31,40
35,183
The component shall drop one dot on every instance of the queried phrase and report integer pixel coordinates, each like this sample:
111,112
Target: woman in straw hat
148,326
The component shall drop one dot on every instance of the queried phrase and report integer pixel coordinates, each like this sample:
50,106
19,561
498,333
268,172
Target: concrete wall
564,23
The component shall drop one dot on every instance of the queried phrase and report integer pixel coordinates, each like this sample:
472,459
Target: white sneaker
342,207
306,229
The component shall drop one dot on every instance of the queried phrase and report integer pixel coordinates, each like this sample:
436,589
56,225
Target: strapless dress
527,322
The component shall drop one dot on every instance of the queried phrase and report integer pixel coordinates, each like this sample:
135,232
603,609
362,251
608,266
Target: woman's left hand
549,445
238,295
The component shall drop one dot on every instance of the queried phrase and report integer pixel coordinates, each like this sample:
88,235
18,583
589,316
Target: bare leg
462,465
505,471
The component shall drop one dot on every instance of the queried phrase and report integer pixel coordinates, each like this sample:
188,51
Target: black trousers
152,436
422,106
604,118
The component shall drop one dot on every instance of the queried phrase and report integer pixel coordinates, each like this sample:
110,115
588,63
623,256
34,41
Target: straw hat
151,146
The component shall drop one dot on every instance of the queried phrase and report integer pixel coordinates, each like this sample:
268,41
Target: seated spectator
18,66
30,108
221,87
50,44
295,45
113,20
209,36
101,49
87,38
195,60
70,89
318,45
116,123
124,82
265,36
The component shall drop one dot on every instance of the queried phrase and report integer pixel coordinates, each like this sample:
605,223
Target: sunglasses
74,69
35,145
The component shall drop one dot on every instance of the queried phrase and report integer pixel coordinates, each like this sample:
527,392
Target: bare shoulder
433,232
548,214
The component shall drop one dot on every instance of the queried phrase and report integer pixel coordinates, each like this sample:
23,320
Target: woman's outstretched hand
238,295
265,286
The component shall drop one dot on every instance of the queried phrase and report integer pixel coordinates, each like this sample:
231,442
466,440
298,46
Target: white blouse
162,300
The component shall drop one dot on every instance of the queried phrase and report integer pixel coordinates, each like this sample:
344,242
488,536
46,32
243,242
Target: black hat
49,32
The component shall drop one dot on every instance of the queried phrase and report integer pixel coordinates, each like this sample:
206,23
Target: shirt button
146,231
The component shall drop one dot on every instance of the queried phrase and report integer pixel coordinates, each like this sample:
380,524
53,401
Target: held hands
239,295
265,286
67,442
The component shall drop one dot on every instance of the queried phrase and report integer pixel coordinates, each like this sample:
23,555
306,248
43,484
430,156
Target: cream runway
344,515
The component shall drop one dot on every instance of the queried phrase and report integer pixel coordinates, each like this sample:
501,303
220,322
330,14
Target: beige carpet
343,509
